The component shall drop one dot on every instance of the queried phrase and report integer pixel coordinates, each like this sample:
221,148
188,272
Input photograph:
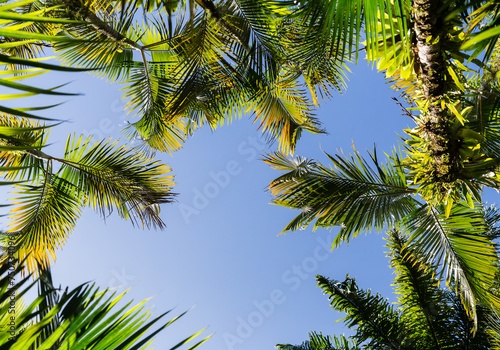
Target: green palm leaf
101,175
318,341
120,178
42,219
21,137
460,245
424,317
420,298
104,40
353,194
284,111
373,315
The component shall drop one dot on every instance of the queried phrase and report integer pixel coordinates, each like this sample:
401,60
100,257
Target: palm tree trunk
430,33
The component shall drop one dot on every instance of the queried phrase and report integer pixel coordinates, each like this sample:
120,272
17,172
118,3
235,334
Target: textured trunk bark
430,32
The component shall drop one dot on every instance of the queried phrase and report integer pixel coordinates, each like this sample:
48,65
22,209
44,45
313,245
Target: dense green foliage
101,175
185,65
442,57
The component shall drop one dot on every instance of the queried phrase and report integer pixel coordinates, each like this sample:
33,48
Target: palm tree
425,317
359,197
101,175
81,318
260,56
429,51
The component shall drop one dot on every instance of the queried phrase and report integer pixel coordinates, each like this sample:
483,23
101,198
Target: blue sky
221,251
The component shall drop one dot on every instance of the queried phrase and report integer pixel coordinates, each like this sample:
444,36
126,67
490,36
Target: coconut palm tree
425,316
435,55
225,59
101,175
260,56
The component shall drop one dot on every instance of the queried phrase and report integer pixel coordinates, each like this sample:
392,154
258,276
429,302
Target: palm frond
21,136
423,304
109,40
86,318
318,341
484,23
376,320
284,111
460,245
353,194
111,177
43,217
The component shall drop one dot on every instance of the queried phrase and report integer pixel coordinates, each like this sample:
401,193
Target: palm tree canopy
358,196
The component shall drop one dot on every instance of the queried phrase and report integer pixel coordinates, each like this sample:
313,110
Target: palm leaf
423,304
20,137
105,34
318,341
44,216
86,318
111,177
353,194
376,320
284,111
460,245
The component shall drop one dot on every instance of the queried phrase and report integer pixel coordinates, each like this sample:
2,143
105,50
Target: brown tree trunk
430,31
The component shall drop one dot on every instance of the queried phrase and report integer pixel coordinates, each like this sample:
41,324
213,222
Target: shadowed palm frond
424,317
377,321
318,341
79,319
420,298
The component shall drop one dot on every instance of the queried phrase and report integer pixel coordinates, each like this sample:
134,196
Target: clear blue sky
221,251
